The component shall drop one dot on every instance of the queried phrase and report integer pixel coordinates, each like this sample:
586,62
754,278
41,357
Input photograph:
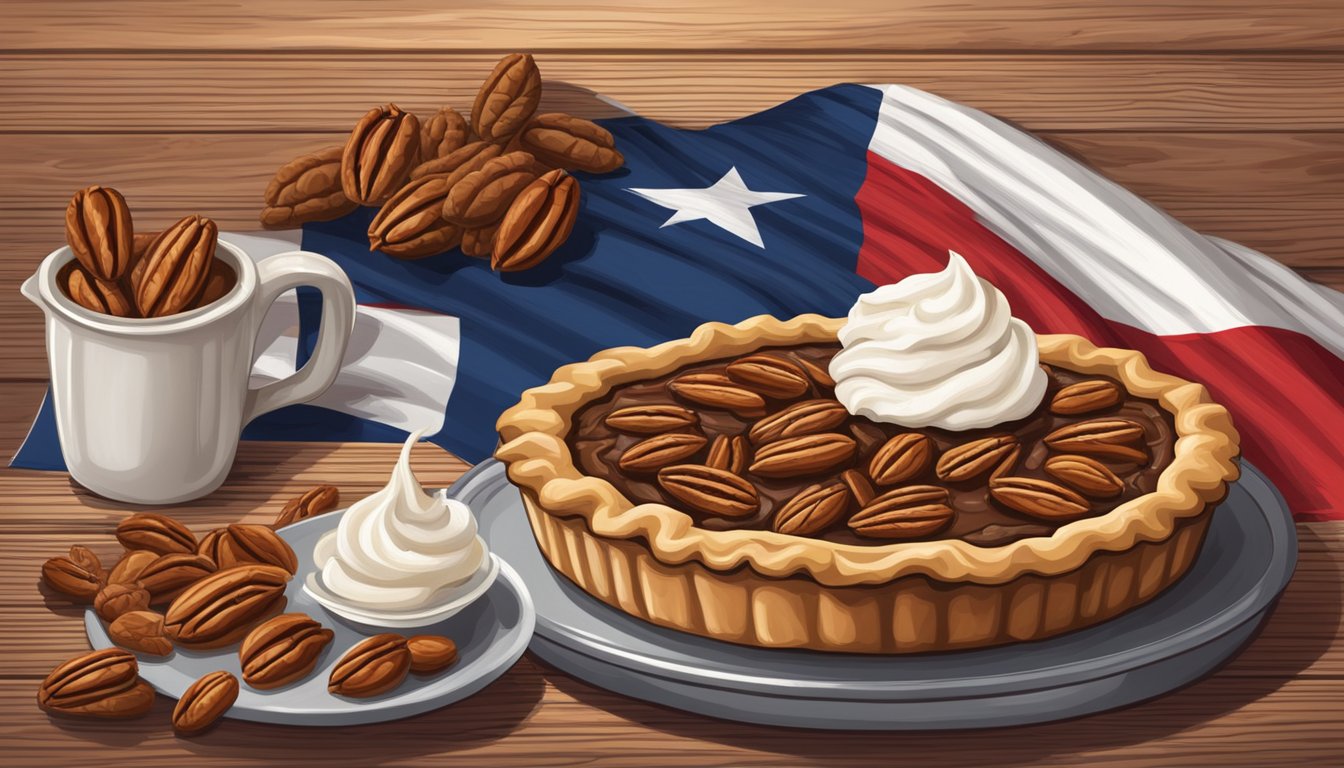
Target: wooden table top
1228,114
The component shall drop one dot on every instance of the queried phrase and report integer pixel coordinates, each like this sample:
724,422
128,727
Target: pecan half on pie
719,485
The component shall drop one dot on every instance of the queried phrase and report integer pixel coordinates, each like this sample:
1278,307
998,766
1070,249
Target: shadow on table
479,720
1299,632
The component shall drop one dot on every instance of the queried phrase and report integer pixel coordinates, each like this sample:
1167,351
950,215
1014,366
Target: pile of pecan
494,183
152,274
898,489
170,590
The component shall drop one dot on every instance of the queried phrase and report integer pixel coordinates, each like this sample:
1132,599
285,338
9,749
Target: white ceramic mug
149,410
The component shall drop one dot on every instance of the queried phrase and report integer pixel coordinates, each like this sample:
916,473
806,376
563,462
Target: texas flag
801,208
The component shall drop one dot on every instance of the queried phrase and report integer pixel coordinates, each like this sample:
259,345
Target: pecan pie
717,486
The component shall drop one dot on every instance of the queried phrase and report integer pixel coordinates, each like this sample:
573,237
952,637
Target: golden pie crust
776,590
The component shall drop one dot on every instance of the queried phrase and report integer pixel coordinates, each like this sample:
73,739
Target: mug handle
278,274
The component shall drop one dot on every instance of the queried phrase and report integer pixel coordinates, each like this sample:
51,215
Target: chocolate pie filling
979,519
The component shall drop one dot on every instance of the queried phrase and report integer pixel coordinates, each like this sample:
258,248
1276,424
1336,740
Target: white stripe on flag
399,367
1130,261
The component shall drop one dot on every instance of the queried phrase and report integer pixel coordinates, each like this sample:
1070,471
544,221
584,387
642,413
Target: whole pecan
102,684
538,222
115,599
903,457
156,533
316,501
458,163
715,491
378,156
221,608
131,565
442,134
483,196
282,650
204,702
1038,498
307,188
715,390
93,294
651,419
970,460
654,453
1113,438
1085,474
771,375
140,631
374,666
86,558
431,653
72,579
170,574
805,455
507,98
904,513
174,270
729,452
813,510
410,225
480,241
99,230
806,418
243,543
571,143
1085,397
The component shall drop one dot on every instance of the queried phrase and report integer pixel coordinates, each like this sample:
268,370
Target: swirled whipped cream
938,350
401,549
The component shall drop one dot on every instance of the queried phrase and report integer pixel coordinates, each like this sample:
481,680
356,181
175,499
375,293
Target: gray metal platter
1183,634
491,634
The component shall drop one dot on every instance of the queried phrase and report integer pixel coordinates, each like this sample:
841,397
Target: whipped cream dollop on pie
939,350
402,549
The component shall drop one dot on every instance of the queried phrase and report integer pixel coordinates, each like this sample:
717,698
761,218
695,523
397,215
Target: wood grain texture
1194,176
265,475
535,716
754,25
1332,277
1228,113
232,92
19,401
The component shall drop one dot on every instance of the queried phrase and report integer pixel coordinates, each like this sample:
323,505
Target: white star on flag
726,204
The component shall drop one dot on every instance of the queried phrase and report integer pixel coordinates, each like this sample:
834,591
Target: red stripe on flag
1285,391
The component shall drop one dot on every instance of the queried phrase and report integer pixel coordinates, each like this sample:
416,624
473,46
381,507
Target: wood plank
1307,167
19,401
534,716
757,25
83,93
1199,173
